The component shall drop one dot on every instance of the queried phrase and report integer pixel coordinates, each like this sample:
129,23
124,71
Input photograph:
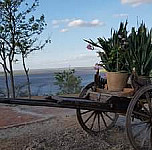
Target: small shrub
68,83
20,90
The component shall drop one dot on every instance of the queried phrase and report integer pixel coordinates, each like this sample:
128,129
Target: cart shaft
68,102
62,102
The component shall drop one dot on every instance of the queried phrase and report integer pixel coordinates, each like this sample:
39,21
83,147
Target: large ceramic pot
116,81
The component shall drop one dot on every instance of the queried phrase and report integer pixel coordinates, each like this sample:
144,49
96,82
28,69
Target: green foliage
125,52
19,31
68,82
140,50
18,28
113,52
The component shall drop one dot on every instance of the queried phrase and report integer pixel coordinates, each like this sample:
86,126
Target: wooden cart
98,110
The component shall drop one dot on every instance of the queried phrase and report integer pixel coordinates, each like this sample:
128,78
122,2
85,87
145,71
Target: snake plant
140,50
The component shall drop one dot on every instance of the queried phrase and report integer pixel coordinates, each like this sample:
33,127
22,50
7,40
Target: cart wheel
139,119
95,122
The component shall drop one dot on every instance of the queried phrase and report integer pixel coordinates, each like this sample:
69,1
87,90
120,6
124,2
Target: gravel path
61,133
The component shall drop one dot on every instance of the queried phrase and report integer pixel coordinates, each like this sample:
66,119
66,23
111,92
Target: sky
71,21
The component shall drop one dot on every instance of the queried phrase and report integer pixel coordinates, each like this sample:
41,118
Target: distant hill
48,70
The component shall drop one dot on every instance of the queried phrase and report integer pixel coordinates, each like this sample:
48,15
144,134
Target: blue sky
71,21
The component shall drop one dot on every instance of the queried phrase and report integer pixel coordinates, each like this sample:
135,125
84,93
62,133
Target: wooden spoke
103,120
99,121
149,101
141,114
145,137
93,121
85,112
108,116
89,117
150,139
139,132
138,124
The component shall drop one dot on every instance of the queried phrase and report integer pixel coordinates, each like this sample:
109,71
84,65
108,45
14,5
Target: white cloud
135,3
82,23
64,30
57,22
66,24
120,15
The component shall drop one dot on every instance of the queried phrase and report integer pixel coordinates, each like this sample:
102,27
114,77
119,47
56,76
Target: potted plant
140,49
112,54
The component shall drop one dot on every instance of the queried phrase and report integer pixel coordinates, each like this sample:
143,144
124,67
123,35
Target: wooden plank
127,92
101,97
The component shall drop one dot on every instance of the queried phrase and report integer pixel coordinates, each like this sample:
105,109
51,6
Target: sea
42,80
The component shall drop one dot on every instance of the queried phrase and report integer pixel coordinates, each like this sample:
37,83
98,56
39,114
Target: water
43,83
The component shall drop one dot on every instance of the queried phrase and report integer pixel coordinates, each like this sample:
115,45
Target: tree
4,65
26,47
68,82
8,33
18,32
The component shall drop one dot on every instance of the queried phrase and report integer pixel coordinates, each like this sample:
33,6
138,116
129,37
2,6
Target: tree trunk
6,82
27,77
12,80
4,65
6,76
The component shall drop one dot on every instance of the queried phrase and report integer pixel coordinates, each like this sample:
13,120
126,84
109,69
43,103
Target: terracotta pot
116,81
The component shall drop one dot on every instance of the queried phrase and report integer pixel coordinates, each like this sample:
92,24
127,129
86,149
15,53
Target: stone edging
27,123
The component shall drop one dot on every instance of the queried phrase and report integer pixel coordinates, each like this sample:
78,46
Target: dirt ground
56,129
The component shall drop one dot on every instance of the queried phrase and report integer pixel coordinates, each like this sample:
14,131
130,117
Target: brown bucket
116,81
